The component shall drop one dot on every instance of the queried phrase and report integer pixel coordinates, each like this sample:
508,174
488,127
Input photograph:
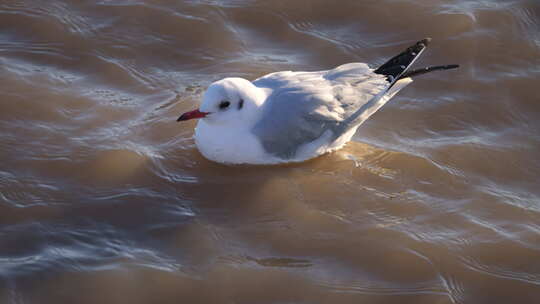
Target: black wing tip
425,41
425,70
442,67
399,64
419,45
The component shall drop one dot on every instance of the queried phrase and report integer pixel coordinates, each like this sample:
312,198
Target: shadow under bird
295,116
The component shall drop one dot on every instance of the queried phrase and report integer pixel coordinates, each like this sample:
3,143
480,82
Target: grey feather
302,106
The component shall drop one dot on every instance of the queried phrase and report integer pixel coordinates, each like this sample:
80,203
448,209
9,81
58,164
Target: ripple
500,272
454,288
383,290
79,249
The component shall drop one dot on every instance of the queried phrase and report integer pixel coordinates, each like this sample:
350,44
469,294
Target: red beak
192,114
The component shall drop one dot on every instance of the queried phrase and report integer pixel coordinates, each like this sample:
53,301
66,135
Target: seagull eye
224,104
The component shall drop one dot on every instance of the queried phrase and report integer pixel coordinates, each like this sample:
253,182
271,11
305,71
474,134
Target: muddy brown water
104,198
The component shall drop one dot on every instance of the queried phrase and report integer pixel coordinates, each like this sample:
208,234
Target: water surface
104,198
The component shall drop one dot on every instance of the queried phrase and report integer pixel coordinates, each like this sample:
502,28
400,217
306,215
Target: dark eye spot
240,104
224,104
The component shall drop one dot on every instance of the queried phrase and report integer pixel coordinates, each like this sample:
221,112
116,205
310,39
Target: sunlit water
104,198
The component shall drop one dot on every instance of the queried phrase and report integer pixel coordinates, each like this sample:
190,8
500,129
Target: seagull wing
302,106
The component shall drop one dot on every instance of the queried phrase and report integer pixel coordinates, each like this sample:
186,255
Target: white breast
230,145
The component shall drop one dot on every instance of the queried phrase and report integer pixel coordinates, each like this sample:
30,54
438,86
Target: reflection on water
104,198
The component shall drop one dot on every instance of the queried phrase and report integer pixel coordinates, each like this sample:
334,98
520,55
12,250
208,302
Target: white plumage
294,116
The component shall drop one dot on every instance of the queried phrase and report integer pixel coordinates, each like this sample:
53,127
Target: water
104,198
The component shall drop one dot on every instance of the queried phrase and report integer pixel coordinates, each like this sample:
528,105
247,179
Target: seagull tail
398,75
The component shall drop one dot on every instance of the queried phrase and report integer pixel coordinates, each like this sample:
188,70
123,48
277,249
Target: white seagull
294,116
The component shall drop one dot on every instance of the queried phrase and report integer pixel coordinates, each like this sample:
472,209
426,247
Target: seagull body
295,116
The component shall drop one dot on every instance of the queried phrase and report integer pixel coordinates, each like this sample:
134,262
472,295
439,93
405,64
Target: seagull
291,116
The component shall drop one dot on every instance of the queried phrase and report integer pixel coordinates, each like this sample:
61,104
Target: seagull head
228,101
